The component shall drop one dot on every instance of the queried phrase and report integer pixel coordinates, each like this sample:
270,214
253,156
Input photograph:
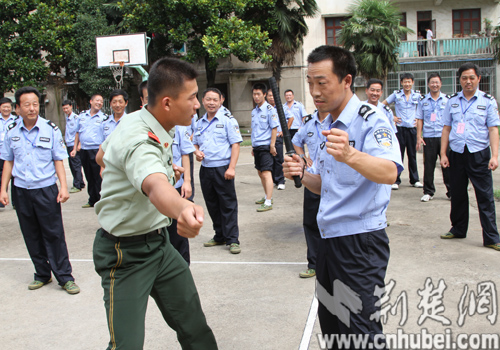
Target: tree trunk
211,72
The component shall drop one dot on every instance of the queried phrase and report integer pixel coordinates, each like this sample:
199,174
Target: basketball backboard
128,48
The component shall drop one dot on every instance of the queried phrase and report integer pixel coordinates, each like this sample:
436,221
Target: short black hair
342,60
143,85
94,95
26,90
372,81
433,75
67,102
212,89
118,92
407,76
288,90
260,86
5,100
167,76
467,66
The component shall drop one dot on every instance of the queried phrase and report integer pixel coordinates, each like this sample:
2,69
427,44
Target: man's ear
166,103
348,80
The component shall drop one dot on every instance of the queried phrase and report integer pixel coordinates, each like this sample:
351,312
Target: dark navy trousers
407,138
75,165
357,265
222,204
474,167
41,223
181,244
92,174
278,159
310,223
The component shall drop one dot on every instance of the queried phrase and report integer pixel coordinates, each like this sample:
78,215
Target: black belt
137,238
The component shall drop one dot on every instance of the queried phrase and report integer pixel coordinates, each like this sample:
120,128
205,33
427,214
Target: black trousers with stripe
92,174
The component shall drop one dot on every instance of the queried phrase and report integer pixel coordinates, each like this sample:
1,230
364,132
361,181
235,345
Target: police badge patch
383,136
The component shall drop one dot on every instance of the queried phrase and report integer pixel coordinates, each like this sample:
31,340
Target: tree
287,28
211,29
35,39
373,33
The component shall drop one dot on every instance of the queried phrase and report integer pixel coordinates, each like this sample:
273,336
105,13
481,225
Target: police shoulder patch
488,96
383,136
365,111
307,118
52,124
11,125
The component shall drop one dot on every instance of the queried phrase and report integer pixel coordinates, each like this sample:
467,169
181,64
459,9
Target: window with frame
402,23
466,22
333,25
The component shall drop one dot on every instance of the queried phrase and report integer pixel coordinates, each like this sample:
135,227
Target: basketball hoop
117,71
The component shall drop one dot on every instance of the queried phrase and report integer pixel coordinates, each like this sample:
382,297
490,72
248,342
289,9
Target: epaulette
11,125
448,96
397,91
454,95
52,124
417,91
153,137
387,108
199,117
422,97
488,96
105,118
365,111
229,115
307,118
269,106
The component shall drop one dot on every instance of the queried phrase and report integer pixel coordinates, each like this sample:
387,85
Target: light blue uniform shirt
478,114
426,107
310,134
109,124
297,111
34,153
71,125
406,110
181,146
215,137
89,129
3,128
264,120
350,203
388,113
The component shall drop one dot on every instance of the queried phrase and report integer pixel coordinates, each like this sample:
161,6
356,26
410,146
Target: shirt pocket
480,117
220,136
43,152
17,149
346,175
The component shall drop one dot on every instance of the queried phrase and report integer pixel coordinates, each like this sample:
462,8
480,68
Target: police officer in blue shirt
6,119
278,177
373,92
182,147
352,172
118,100
471,122
430,120
217,142
264,132
33,152
406,102
310,135
75,163
295,112
89,136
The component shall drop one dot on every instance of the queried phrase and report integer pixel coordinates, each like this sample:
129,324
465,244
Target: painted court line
192,262
308,329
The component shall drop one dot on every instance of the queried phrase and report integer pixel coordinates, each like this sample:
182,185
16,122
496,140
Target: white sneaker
395,187
426,198
418,184
281,186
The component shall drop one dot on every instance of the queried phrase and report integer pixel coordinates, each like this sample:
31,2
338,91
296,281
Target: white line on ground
308,329
192,262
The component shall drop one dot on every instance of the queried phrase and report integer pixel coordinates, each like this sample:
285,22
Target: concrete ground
255,300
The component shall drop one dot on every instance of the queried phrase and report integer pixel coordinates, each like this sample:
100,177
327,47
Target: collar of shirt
262,108
349,112
429,96
217,115
37,124
71,116
151,122
460,95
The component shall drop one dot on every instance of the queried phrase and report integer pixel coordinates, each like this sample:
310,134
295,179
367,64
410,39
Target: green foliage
29,30
373,33
212,29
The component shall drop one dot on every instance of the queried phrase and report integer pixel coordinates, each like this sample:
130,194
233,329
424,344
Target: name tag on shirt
433,117
220,125
44,139
460,128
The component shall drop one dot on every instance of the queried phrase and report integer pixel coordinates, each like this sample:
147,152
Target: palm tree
288,32
373,33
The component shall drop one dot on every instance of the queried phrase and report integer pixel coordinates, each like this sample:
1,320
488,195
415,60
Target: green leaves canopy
373,33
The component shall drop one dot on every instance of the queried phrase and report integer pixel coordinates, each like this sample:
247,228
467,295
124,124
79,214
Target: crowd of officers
459,129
